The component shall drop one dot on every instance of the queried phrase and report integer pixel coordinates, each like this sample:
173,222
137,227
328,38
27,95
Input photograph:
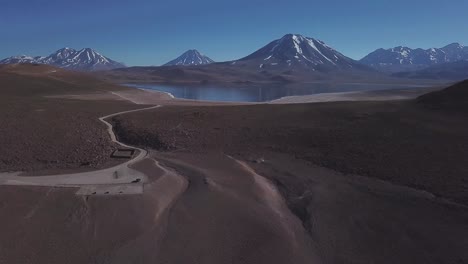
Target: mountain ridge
403,58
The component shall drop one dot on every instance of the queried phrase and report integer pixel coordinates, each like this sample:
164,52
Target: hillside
42,132
453,98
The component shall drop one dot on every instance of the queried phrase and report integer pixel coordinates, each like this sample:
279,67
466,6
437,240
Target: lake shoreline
287,94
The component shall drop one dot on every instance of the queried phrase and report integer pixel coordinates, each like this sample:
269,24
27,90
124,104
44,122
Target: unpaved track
100,181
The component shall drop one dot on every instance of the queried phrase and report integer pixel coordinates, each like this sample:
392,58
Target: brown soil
226,215
356,219
53,225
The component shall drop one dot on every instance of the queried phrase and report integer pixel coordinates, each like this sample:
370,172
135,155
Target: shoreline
167,93
397,82
365,95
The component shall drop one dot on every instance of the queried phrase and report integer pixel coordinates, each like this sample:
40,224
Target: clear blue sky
152,32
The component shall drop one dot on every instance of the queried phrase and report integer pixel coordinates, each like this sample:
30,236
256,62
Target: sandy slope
363,220
209,208
230,214
53,225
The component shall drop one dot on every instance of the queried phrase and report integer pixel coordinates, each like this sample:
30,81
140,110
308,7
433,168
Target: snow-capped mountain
190,57
404,58
21,59
296,51
59,56
84,60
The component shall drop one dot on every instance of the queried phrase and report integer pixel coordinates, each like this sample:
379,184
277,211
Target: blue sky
152,32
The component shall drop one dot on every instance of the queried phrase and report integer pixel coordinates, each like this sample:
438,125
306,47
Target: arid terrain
40,131
334,182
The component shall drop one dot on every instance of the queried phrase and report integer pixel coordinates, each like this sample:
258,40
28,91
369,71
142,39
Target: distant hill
453,98
31,80
190,57
446,71
407,59
83,60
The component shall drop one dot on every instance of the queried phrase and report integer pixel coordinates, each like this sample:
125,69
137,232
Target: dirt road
104,181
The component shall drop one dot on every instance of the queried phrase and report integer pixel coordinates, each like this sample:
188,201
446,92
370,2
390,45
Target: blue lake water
258,93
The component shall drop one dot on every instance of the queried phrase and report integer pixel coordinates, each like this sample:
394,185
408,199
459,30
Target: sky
153,32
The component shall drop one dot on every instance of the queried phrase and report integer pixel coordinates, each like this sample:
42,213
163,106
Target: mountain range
292,57
83,60
190,57
407,59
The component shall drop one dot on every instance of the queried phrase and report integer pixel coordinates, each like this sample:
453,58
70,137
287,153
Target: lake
259,93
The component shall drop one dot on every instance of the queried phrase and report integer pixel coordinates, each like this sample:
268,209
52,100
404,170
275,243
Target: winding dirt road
120,179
